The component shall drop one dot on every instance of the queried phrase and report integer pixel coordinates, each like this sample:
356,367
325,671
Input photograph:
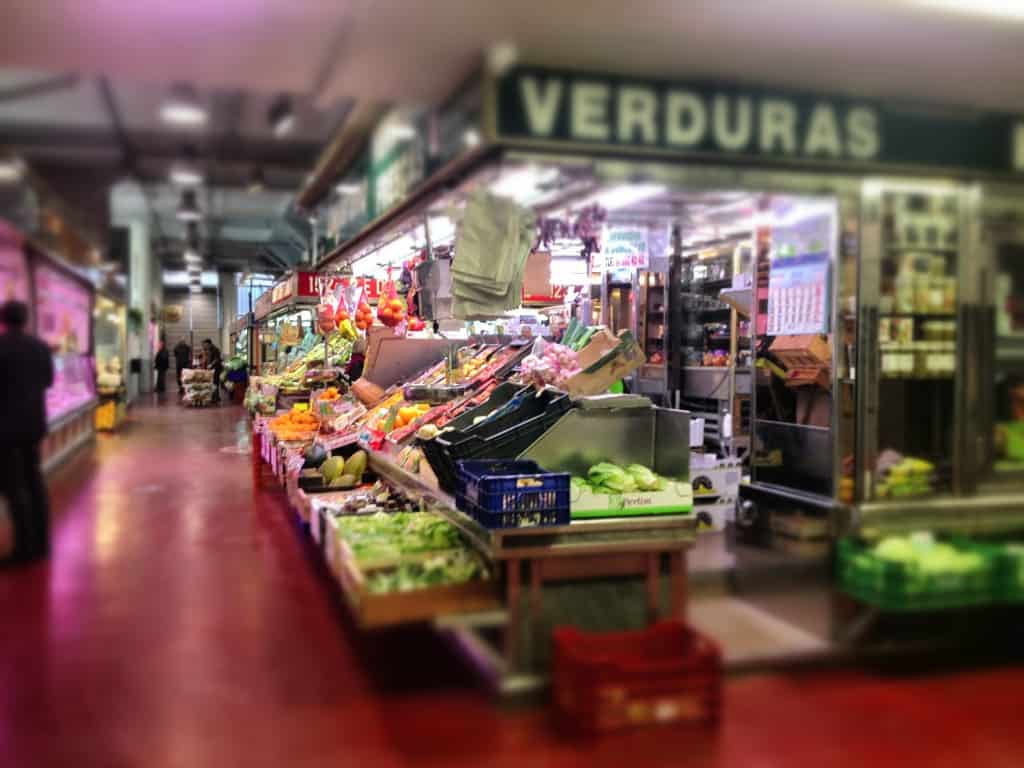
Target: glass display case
910,296
63,308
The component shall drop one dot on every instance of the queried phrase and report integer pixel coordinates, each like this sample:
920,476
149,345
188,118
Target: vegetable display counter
491,613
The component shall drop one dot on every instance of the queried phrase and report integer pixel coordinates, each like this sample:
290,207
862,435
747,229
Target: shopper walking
214,362
162,363
26,372
182,358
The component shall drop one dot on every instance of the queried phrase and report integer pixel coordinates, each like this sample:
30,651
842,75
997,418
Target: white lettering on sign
541,107
638,113
732,134
590,111
778,126
823,133
862,127
688,119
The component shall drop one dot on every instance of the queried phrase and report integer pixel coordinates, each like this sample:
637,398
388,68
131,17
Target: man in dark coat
182,358
214,362
161,363
26,372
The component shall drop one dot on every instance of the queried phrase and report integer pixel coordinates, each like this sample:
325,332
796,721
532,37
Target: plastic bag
364,314
325,318
391,309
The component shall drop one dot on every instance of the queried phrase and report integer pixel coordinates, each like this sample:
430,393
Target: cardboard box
537,274
809,351
676,499
599,381
600,344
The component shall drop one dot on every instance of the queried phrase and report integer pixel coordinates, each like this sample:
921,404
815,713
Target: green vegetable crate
906,587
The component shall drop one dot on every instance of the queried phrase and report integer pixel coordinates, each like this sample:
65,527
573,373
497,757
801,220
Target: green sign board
724,121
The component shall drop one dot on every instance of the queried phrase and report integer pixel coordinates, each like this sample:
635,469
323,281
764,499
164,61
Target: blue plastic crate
512,494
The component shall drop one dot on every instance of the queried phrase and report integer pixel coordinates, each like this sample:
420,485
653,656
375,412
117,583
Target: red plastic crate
667,673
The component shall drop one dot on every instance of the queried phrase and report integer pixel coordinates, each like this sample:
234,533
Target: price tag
295,464
338,440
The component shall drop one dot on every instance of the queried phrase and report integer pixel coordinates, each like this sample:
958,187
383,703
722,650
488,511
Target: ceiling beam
341,152
39,87
298,155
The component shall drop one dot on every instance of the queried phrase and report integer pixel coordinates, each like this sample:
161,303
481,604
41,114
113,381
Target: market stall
61,303
111,352
284,322
836,328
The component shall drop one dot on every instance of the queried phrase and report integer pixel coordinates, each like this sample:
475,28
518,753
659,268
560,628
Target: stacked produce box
199,387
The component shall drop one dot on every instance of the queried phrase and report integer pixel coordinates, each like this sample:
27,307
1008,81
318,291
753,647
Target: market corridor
183,621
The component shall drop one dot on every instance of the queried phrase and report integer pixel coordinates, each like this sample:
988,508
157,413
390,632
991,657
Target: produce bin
900,587
512,494
622,430
667,673
503,437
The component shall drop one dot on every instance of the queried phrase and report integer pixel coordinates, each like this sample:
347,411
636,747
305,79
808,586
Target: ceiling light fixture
192,257
195,288
471,137
348,188
185,175
281,117
182,107
189,209
402,131
625,195
12,169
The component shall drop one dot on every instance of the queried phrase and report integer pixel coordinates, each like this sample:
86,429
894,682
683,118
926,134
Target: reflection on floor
759,604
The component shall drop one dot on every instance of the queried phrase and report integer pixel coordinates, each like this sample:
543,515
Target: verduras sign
701,119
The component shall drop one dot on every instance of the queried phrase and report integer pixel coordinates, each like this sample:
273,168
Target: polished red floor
184,621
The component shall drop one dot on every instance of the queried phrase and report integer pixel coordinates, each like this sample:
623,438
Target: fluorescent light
524,184
185,175
281,117
177,278
192,257
471,137
1003,9
348,187
402,131
11,170
628,194
182,107
284,126
193,288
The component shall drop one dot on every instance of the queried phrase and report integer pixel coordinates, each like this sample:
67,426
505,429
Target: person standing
161,363
182,358
26,372
213,362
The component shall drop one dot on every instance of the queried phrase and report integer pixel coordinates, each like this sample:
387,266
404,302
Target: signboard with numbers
798,295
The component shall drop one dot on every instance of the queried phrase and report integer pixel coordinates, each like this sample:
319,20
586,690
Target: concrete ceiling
81,82
415,51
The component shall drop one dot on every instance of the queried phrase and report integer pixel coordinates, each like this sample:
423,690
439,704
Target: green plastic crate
900,588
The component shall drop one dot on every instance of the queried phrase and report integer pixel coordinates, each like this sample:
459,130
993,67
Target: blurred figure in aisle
26,371
161,363
182,358
214,363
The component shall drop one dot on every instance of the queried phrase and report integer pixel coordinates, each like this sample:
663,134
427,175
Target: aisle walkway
185,622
